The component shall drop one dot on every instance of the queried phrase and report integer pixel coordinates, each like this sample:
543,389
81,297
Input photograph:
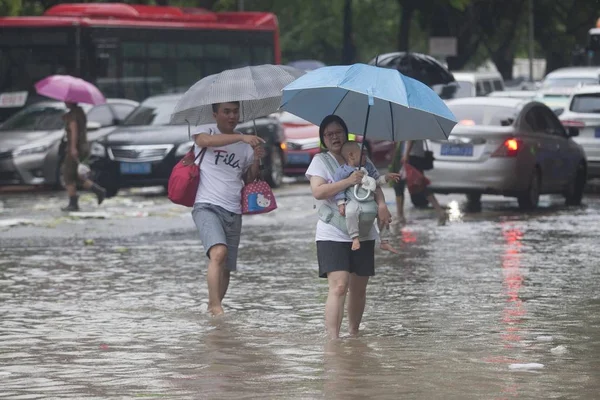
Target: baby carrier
365,199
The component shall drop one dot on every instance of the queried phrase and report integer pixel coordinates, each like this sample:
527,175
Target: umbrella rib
392,114
338,105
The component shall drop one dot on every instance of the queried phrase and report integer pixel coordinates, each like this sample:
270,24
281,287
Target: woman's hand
383,215
259,152
355,178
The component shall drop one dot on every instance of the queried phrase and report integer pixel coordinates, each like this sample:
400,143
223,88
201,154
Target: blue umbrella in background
380,103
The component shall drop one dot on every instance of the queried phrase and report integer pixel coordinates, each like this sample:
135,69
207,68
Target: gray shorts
216,225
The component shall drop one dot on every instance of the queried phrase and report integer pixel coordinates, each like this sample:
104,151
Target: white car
583,112
558,85
511,147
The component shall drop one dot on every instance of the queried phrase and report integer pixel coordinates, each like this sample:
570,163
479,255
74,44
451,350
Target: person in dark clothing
77,149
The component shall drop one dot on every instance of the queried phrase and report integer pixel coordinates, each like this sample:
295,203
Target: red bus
129,51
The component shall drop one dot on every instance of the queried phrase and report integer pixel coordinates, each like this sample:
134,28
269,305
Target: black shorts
338,256
418,163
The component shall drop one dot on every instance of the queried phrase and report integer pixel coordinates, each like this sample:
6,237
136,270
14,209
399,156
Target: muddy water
496,305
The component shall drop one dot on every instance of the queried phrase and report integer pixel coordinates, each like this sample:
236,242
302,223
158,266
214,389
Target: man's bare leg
400,210
224,283
214,278
334,306
357,297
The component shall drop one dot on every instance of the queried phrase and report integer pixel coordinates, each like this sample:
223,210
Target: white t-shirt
327,231
221,172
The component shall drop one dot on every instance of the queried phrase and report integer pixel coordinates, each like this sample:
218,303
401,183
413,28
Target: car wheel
574,192
474,202
274,171
529,199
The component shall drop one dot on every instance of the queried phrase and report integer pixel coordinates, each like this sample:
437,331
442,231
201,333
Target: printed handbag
415,180
258,198
185,178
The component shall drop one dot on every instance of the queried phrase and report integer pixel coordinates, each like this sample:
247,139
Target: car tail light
283,146
572,124
510,148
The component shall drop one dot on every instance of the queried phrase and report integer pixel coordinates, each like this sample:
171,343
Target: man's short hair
215,106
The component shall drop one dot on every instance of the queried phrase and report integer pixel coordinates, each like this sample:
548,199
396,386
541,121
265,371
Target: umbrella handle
262,166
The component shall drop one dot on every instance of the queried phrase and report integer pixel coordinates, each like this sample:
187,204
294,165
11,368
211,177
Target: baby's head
351,153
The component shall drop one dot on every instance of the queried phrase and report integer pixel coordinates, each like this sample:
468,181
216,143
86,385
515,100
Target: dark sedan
144,150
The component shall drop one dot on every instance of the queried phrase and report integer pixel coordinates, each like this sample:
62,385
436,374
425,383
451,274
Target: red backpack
185,178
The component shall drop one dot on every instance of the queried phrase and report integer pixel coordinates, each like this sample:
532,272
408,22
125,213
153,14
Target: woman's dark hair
328,120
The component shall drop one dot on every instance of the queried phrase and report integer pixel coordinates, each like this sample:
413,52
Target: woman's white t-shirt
221,172
327,231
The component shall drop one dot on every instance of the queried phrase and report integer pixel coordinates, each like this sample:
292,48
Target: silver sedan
30,140
511,147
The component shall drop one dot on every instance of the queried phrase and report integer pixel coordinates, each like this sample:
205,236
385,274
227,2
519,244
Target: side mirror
93,126
572,131
558,111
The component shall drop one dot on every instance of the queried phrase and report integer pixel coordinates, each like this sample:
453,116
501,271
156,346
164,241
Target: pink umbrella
69,89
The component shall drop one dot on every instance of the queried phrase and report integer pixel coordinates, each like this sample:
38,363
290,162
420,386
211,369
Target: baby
349,206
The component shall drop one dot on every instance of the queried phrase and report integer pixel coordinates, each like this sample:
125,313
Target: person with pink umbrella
72,91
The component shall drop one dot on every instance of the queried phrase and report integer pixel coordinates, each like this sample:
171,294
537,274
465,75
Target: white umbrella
256,88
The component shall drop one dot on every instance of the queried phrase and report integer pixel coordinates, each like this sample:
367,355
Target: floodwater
496,305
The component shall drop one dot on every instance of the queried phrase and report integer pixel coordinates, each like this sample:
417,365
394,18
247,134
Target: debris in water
88,242
526,366
559,350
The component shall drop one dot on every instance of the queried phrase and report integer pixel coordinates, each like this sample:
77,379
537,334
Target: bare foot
353,332
401,220
387,246
216,311
355,244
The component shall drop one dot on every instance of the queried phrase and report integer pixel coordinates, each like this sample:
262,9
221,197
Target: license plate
136,168
298,158
462,150
13,99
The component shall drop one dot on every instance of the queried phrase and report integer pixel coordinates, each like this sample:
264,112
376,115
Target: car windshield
568,82
152,113
477,114
454,90
586,103
35,118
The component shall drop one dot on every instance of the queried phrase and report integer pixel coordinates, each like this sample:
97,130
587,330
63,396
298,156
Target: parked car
559,84
514,94
583,113
511,147
472,84
302,143
32,140
144,150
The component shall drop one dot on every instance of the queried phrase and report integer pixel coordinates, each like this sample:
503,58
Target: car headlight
97,150
31,149
183,148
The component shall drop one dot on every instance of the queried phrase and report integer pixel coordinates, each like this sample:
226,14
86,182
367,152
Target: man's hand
252,140
383,215
392,176
74,153
342,209
259,152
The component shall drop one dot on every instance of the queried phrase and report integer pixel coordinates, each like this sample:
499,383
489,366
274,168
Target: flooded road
112,304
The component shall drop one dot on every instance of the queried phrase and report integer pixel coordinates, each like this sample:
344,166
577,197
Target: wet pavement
111,303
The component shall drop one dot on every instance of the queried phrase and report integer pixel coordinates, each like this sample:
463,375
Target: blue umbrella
380,103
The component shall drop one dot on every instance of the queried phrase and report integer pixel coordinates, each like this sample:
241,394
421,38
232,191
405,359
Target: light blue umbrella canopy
378,103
